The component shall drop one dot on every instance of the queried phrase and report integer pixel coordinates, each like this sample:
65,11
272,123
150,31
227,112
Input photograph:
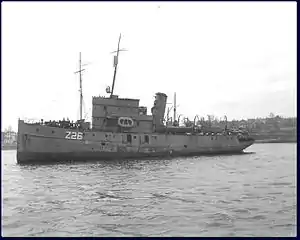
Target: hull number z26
74,135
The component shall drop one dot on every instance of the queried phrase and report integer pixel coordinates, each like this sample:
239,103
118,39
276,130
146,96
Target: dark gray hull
29,157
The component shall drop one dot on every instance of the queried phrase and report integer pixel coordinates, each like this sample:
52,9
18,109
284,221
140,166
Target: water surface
240,195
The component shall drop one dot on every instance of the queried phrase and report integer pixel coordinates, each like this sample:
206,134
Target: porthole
53,131
37,130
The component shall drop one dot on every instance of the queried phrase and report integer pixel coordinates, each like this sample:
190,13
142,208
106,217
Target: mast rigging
80,85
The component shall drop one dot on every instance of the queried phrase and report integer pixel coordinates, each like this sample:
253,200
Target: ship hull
45,157
39,144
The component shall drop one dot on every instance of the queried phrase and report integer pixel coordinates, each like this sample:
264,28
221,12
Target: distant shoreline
3,148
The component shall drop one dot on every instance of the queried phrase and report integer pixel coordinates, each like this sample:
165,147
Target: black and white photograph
149,119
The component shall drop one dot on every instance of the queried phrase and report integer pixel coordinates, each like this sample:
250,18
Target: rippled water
241,195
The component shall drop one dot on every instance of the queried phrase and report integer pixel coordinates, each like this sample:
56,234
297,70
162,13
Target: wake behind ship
121,128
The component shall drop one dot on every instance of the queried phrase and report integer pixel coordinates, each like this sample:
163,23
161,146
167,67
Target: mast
80,85
116,59
174,106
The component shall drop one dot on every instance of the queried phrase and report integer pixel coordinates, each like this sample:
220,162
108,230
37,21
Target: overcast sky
233,58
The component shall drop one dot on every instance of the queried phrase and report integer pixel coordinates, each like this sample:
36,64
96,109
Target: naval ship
121,129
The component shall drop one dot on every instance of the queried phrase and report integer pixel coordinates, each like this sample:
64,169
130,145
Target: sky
221,58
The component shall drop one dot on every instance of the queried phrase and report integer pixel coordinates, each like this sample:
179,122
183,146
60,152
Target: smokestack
158,110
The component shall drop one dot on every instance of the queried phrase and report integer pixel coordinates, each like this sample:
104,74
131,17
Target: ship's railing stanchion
194,126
